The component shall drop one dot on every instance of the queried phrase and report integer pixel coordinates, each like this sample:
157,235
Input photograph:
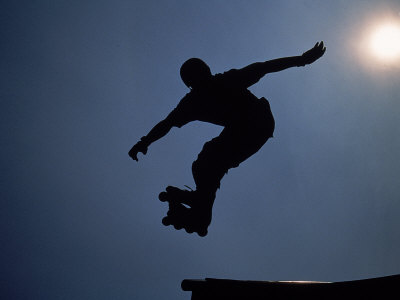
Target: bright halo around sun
385,42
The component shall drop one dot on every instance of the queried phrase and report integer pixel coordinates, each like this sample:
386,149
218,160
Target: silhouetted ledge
374,288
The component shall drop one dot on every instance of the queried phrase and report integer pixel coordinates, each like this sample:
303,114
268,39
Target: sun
385,42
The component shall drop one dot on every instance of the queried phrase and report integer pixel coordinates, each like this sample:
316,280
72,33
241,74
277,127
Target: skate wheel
163,196
166,221
189,230
178,226
202,233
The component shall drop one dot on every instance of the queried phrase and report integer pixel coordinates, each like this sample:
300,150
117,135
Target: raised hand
313,54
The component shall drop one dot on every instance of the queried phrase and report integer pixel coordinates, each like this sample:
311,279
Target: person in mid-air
221,99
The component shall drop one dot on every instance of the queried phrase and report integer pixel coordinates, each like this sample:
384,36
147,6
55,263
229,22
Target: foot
182,217
176,195
187,210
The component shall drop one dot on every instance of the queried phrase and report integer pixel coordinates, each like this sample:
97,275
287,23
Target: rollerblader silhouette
221,99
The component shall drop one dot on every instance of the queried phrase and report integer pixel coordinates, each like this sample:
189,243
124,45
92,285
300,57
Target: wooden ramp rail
212,289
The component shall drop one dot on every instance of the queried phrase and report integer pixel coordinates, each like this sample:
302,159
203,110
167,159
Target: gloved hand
140,146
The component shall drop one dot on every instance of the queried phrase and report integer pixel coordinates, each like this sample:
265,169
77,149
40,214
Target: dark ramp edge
387,287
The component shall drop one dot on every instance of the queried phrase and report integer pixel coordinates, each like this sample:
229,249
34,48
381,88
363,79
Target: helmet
194,71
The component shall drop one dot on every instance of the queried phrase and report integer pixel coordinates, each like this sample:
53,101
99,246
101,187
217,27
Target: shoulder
185,101
183,112
231,78
228,75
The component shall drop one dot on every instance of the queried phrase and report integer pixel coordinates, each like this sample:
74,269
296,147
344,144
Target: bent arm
158,131
181,115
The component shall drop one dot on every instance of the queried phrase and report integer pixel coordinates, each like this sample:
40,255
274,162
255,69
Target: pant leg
222,153
235,144
210,165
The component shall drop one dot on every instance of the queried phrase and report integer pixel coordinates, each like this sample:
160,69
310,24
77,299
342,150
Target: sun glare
385,42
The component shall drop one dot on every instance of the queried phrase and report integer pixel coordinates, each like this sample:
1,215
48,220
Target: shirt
224,100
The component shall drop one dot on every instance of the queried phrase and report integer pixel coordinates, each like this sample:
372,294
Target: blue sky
82,81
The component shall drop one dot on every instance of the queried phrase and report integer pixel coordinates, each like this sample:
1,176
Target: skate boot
186,210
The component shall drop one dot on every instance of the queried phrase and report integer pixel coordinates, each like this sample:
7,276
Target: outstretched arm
158,131
256,71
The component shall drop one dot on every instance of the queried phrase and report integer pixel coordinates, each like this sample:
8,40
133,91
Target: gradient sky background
82,81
